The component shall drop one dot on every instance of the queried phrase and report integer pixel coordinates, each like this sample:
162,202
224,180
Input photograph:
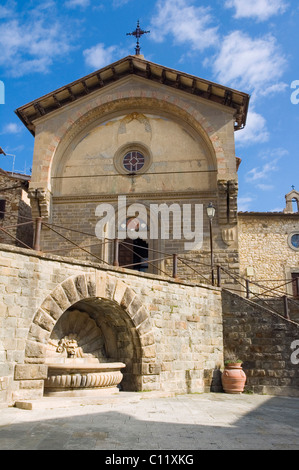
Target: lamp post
211,214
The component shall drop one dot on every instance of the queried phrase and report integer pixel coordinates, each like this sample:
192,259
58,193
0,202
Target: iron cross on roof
138,33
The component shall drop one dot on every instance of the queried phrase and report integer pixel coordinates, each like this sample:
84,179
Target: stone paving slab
147,421
67,402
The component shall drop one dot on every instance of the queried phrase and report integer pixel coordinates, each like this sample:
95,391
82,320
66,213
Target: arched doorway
134,252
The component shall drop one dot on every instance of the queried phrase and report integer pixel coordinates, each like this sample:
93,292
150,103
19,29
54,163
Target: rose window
133,161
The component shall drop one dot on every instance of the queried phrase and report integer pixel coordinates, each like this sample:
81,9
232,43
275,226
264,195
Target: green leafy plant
231,358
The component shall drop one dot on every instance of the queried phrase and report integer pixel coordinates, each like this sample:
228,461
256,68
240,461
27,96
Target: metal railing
253,290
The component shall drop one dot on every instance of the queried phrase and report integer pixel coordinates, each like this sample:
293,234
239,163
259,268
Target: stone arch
125,311
113,104
290,197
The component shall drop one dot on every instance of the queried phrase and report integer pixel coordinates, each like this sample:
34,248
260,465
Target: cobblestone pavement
145,421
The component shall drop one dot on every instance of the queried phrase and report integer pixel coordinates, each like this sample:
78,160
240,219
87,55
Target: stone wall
17,211
264,248
177,326
77,220
263,340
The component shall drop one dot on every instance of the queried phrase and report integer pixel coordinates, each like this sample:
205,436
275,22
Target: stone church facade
181,131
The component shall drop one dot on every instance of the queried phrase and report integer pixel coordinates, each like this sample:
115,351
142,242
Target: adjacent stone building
15,210
269,248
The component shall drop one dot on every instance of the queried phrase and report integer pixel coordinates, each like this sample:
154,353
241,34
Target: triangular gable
133,65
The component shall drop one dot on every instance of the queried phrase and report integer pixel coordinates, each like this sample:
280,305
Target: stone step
67,402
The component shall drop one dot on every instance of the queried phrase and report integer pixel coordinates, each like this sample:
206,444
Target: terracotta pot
233,378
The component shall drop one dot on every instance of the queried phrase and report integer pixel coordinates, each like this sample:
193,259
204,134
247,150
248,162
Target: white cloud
5,12
244,203
119,3
259,9
276,153
273,89
251,64
33,45
186,23
255,131
262,173
77,3
12,128
265,187
99,56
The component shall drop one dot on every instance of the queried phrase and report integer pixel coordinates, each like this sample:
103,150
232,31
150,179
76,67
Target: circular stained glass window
295,241
133,161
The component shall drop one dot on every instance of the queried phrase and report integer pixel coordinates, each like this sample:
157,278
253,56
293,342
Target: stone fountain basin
75,377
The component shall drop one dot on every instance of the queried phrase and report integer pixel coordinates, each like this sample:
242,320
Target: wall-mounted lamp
211,214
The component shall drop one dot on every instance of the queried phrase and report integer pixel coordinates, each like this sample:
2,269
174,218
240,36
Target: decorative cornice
132,65
136,196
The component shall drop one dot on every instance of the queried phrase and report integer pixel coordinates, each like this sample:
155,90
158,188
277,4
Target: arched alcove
109,120
104,316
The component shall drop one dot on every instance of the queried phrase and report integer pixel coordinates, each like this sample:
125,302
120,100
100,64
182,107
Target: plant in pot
233,377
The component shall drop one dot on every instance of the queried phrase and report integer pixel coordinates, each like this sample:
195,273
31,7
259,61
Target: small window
133,161
293,241
2,208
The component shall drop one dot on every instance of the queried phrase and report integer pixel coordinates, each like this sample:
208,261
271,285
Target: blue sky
251,46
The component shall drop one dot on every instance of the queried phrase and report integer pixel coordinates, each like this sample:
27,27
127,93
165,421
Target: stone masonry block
127,298
31,372
36,333
149,352
91,285
150,369
61,298
145,327
51,307
31,384
44,320
134,306
35,350
101,279
110,287
140,316
120,289
70,290
147,340
81,286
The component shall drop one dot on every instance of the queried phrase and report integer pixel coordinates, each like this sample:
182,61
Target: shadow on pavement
191,422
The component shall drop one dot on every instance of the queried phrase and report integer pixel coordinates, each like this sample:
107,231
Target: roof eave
132,65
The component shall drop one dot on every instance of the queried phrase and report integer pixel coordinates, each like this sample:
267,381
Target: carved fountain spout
71,372
70,346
